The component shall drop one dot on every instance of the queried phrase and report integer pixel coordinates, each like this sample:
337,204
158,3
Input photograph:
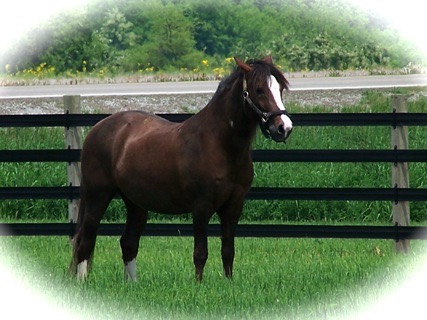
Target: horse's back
114,124
114,130
108,140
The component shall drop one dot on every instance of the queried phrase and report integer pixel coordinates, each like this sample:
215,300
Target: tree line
169,35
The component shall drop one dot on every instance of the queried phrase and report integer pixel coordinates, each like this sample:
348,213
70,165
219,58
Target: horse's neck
225,119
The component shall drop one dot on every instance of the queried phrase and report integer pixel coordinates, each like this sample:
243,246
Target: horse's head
263,85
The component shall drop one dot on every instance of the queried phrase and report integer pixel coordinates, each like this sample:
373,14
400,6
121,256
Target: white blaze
275,91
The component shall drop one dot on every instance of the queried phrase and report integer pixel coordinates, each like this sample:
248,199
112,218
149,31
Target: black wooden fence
313,119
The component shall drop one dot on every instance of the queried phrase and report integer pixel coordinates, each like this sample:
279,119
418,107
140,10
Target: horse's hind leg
92,209
129,242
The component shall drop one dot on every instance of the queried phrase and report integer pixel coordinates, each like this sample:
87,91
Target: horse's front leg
229,215
200,253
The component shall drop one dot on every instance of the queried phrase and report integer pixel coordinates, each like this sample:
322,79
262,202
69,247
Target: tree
114,36
66,47
129,35
118,30
170,41
214,26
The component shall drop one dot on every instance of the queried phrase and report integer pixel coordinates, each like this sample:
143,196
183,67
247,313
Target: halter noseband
264,117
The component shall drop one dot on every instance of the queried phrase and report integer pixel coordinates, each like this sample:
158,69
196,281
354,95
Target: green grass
274,278
281,278
376,175
266,174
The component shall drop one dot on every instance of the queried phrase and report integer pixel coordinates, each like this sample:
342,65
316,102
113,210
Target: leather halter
263,117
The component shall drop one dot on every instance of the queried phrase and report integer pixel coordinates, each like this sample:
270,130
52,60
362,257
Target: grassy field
266,174
274,278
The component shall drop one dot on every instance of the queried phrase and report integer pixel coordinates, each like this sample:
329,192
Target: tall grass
274,278
266,174
35,174
376,175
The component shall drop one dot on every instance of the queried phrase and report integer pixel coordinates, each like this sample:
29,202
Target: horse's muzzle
279,133
280,129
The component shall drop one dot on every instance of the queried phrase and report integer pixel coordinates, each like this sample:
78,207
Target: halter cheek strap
263,116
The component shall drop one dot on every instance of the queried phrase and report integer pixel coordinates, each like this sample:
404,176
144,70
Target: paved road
206,86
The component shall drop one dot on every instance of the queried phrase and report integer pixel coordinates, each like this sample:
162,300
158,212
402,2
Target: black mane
261,70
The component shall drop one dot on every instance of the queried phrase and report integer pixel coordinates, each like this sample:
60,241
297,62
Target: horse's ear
245,67
268,59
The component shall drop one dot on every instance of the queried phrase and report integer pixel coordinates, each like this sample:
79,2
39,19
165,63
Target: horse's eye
259,91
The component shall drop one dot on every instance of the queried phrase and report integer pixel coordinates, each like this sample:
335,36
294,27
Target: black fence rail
299,119
394,155
255,193
304,119
243,230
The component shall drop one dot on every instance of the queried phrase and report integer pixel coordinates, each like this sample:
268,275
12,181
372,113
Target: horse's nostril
281,129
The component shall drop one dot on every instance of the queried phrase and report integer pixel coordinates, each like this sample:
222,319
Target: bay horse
202,165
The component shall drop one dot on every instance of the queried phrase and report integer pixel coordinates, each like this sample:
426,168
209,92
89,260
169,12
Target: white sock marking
82,271
275,91
130,270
